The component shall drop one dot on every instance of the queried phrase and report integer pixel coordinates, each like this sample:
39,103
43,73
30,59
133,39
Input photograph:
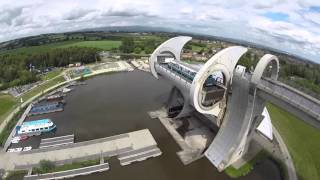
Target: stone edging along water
70,173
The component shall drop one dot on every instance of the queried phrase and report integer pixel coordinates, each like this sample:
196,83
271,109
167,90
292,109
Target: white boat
36,127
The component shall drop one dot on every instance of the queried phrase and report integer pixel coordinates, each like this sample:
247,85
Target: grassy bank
7,103
246,168
49,167
51,74
104,45
41,88
302,141
11,124
16,175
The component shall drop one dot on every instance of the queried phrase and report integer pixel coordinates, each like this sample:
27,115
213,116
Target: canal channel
119,103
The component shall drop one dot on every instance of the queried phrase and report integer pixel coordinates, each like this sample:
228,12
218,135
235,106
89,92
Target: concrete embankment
187,154
87,150
70,173
13,132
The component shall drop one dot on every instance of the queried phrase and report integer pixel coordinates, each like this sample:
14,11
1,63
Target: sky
288,25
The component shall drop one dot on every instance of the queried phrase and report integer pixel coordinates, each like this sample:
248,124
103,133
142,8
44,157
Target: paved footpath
279,150
109,146
287,159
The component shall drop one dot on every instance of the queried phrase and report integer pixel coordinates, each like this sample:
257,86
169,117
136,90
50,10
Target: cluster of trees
129,45
249,60
308,72
15,73
305,77
15,67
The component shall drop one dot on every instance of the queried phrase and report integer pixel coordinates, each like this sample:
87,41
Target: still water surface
118,103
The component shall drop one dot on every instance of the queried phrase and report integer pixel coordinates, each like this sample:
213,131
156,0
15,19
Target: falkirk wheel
232,99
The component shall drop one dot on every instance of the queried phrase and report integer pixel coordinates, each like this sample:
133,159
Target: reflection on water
118,103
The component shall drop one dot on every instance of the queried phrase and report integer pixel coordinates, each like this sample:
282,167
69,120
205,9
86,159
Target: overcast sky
289,25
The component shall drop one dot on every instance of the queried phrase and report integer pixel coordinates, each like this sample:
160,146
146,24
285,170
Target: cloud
127,13
314,17
77,14
289,26
7,16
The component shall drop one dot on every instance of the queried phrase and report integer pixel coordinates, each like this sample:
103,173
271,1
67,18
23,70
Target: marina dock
134,144
46,108
139,155
56,141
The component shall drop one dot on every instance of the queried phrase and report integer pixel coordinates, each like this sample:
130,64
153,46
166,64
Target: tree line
305,77
130,45
15,67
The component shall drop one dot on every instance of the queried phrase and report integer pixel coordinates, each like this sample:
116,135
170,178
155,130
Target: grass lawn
198,48
105,45
11,124
51,74
242,171
7,103
41,88
302,140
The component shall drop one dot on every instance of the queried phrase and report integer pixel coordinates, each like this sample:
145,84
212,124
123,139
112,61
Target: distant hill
131,29
142,29
58,37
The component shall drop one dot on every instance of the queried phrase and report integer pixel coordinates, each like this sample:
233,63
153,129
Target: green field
302,140
51,74
41,88
198,48
104,45
7,103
